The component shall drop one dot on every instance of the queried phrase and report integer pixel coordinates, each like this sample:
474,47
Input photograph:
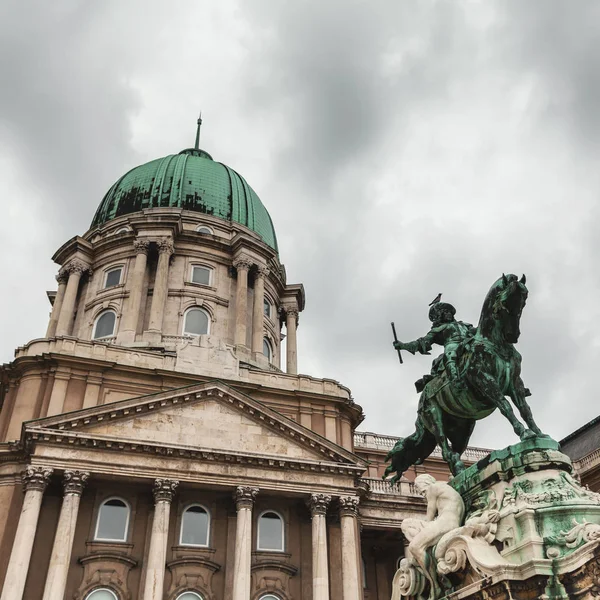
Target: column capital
349,506
164,489
77,266
62,276
244,496
141,246
165,246
242,262
262,272
74,482
318,503
292,311
36,478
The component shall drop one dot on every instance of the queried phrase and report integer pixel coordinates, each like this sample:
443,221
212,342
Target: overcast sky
402,149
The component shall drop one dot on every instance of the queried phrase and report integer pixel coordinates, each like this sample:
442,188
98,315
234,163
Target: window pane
112,521
189,596
105,326
194,526
267,348
203,229
267,308
269,597
201,275
113,278
196,322
101,595
270,532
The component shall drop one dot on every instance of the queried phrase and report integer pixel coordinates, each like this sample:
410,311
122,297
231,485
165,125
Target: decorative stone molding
292,311
77,266
349,506
164,489
166,246
141,246
242,262
105,568
262,272
74,482
244,496
318,503
36,478
62,277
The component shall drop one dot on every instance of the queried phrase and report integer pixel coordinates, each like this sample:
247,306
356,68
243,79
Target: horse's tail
408,451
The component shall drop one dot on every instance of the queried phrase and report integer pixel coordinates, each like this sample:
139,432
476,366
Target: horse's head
502,308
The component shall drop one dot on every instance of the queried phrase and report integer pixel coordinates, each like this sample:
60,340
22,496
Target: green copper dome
190,180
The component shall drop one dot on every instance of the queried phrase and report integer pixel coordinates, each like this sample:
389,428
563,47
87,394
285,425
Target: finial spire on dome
197,144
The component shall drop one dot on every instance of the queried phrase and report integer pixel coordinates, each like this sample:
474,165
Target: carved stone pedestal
530,531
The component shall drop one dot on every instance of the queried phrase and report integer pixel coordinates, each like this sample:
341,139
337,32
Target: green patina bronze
479,368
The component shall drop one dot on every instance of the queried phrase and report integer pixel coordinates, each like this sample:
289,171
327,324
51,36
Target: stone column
320,571
35,480
351,586
56,581
244,500
161,283
67,311
291,323
157,554
258,313
136,285
62,278
242,264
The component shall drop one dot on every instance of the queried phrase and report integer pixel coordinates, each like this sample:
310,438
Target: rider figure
445,331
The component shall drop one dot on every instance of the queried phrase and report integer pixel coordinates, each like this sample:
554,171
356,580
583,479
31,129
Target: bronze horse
490,368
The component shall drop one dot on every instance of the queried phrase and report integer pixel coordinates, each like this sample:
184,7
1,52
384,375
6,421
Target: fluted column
242,264
75,269
291,323
35,480
351,587
56,581
317,505
61,278
258,313
161,282
244,500
136,286
157,554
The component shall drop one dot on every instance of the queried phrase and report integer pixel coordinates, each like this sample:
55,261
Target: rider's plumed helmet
437,309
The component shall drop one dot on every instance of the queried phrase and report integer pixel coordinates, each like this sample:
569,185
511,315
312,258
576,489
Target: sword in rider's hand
396,339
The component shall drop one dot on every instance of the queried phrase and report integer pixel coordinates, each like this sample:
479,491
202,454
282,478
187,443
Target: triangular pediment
209,418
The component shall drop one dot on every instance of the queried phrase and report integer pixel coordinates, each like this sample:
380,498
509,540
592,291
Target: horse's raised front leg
487,387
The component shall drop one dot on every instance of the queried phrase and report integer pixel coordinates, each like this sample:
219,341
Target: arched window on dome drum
105,325
113,277
267,350
189,596
112,523
195,525
204,229
102,594
267,308
270,532
269,597
195,322
201,275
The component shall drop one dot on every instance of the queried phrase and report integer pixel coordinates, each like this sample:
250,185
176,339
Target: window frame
127,522
202,226
267,302
197,594
122,230
101,589
283,536
269,595
187,544
185,314
267,341
201,266
110,270
97,319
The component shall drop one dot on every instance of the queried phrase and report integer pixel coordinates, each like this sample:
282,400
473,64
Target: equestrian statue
480,366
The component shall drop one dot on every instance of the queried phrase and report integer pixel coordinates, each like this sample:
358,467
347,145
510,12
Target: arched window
113,277
105,325
113,521
196,322
270,532
201,274
101,594
267,350
195,525
269,597
122,230
204,229
189,596
267,308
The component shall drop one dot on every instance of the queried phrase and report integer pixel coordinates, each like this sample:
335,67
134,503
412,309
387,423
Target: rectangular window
201,275
113,277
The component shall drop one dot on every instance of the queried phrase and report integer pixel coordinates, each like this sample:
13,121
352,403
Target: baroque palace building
159,443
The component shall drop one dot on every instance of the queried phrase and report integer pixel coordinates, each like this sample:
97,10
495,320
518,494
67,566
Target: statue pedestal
530,531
